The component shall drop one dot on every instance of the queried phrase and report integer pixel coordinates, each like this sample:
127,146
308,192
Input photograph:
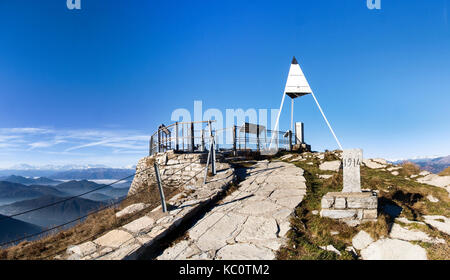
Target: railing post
150,152
234,139
213,155
207,165
203,140
290,140
176,136
161,191
257,137
192,137
159,139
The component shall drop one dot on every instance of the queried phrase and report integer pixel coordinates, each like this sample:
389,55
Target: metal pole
290,140
234,139
292,114
159,140
213,160
161,191
278,119
150,152
176,136
207,164
192,137
203,141
257,137
329,126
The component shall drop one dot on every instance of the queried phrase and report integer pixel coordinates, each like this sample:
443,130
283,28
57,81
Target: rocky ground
413,218
251,223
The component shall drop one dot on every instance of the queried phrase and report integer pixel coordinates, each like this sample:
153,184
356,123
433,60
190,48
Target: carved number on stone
352,162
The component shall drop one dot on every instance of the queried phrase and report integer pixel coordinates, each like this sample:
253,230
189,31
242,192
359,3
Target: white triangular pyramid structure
296,84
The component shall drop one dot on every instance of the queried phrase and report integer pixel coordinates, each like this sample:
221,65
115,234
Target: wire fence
110,205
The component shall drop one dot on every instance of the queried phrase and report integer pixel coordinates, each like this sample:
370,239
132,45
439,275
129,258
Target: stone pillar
351,162
351,206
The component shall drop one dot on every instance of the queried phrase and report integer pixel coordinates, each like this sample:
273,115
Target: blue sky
89,86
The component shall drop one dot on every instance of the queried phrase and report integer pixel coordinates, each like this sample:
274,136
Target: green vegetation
309,231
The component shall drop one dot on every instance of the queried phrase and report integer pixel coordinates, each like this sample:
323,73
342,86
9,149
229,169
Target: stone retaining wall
352,208
170,164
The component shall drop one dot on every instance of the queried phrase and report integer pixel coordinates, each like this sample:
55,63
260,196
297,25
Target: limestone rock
83,249
435,180
442,223
331,249
325,176
338,214
114,238
432,198
142,224
361,240
330,165
373,164
244,251
133,208
402,233
395,173
393,249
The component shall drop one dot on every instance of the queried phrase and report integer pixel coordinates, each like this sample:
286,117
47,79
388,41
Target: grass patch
309,231
445,172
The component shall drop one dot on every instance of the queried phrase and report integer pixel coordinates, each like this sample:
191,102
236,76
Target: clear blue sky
89,86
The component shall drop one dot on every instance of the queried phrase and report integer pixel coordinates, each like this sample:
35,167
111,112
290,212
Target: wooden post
161,191
192,137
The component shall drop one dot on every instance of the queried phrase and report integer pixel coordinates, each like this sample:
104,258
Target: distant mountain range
93,173
11,229
434,165
52,215
29,181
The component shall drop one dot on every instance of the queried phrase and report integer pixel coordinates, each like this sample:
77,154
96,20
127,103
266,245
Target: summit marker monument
352,205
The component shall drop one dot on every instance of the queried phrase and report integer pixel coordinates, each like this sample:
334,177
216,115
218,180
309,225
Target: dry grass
89,229
445,172
409,168
309,231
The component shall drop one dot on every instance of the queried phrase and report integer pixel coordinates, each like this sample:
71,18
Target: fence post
257,137
159,139
176,136
150,152
213,155
207,164
203,140
234,140
161,191
290,140
192,137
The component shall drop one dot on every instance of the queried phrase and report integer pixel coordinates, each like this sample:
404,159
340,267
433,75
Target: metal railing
196,137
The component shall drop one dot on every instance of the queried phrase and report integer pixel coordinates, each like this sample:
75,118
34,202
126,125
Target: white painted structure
297,86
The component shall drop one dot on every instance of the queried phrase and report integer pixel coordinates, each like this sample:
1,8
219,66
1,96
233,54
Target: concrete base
352,208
